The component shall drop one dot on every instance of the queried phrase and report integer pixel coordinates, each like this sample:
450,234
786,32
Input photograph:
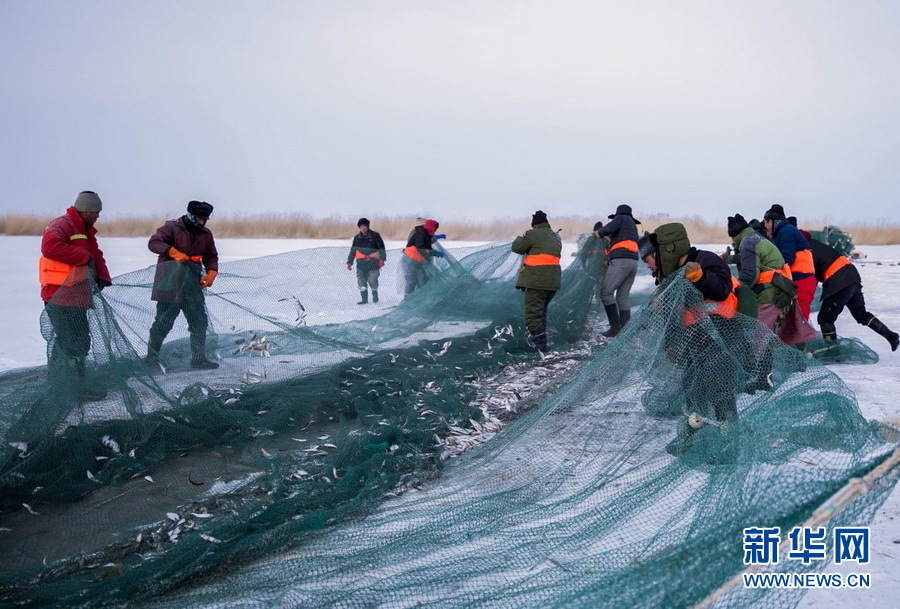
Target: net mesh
313,468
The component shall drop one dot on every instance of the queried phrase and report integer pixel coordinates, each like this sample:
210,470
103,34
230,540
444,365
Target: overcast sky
453,108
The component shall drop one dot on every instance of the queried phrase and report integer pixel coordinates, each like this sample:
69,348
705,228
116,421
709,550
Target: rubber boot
892,337
363,297
612,313
538,340
89,393
624,317
198,353
374,295
153,347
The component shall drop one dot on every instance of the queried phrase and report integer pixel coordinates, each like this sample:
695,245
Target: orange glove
693,272
177,256
207,280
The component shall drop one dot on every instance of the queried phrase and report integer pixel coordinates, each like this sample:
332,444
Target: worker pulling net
307,470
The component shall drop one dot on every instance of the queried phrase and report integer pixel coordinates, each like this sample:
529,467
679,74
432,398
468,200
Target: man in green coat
539,275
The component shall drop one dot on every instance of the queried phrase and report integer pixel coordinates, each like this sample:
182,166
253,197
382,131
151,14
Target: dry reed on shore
302,226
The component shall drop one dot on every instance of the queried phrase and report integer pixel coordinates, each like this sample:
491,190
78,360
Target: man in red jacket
185,247
70,267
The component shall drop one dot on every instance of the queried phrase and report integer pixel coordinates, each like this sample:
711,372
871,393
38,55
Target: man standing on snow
369,252
539,275
71,265
417,255
185,247
622,267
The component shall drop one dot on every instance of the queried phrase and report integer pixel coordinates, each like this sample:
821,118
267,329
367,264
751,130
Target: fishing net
317,466
836,238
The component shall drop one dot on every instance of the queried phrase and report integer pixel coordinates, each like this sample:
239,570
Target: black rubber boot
374,295
624,317
363,297
89,393
198,353
612,313
892,337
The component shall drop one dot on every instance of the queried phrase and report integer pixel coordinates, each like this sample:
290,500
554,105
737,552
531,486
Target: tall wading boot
154,345
88,393
198,352
612,313
374,295
892,337
363,297
624,317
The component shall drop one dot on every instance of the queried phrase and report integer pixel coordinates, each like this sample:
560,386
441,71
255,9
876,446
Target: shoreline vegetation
304,226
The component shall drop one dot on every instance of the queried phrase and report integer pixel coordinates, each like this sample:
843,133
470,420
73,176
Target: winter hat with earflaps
88,201
672,243
539,217
624,210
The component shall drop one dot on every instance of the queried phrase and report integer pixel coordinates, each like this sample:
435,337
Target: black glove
102,283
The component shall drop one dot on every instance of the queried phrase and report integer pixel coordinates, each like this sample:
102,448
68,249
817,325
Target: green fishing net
315,466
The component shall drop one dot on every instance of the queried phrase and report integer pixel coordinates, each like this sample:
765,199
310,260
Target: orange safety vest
53,272
540,260
766,276
723,308
803,263
627,244
373,256
413,253
835,266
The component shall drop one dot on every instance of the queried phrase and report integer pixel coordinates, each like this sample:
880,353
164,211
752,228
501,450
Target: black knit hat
200,209
736,224
792,220
776,212
645,246
538,217
598,226
362,221
623,210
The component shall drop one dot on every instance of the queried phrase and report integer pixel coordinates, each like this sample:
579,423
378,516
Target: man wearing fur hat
185,247
369,252
71,266
622,258
710,354
539,275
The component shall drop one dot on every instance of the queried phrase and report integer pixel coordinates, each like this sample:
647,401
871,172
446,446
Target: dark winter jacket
540,245
68,241
824,256
367,250
715,284
418,247
757,254
174,281
621,230
791,244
